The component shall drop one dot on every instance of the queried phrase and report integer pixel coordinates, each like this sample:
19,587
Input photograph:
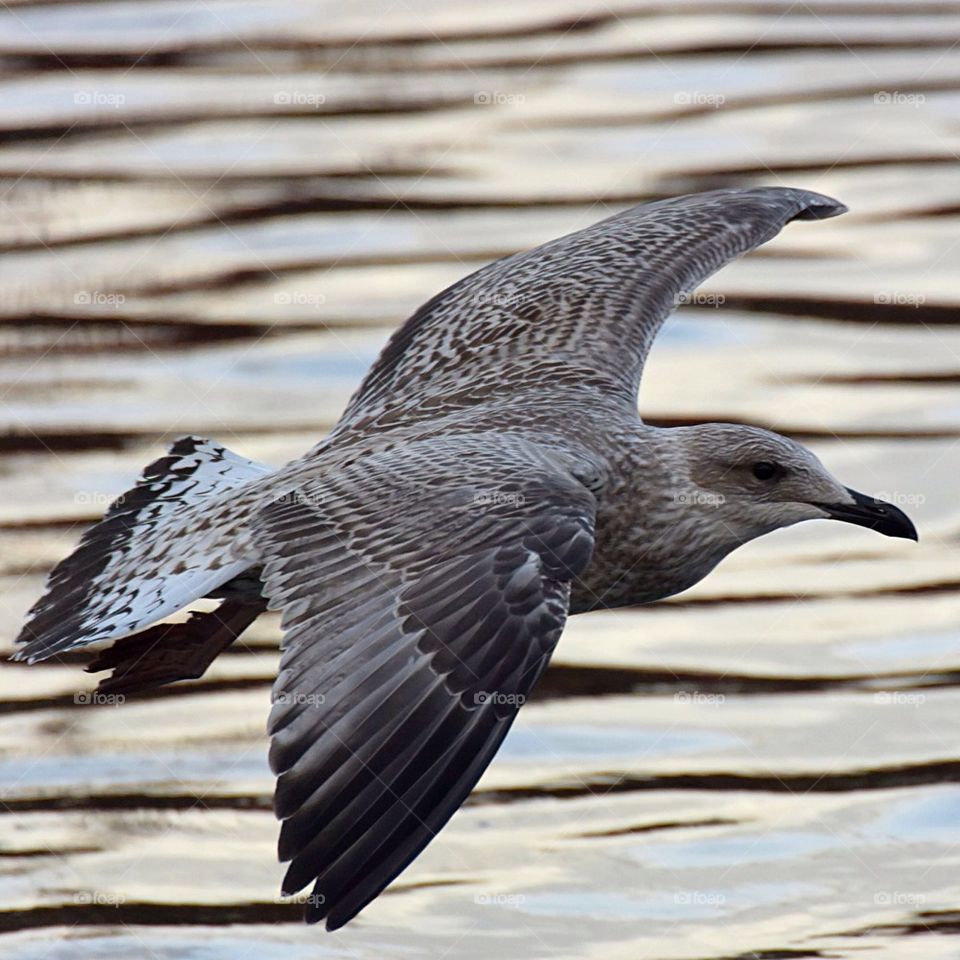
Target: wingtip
335,920
818,206
800,204
316,911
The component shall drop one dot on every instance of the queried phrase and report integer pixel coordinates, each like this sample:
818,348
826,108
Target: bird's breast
636,571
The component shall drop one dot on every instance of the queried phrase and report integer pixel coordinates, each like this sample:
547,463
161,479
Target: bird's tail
159,547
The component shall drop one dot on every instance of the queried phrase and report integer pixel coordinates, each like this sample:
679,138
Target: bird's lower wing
417,618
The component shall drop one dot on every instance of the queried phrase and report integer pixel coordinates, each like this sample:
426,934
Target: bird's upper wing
580,311
418,612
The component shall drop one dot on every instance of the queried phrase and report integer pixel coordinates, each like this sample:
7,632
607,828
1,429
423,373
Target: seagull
490,477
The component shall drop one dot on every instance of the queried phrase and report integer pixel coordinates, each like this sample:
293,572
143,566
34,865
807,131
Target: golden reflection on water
213,216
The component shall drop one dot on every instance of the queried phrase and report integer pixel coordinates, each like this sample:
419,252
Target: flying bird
490,477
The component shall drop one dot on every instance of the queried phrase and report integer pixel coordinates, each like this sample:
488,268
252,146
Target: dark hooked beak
878,515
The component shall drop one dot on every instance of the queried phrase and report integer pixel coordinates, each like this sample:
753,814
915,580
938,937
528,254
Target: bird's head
744,482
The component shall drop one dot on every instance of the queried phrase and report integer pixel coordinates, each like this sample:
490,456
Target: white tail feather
155,551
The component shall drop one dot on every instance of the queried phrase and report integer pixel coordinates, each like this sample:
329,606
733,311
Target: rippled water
213,214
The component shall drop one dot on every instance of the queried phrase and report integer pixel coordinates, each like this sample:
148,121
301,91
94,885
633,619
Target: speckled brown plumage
490,475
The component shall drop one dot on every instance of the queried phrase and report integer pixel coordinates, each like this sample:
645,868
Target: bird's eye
765,470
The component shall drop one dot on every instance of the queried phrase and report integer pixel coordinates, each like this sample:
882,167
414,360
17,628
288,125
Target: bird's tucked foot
169,652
